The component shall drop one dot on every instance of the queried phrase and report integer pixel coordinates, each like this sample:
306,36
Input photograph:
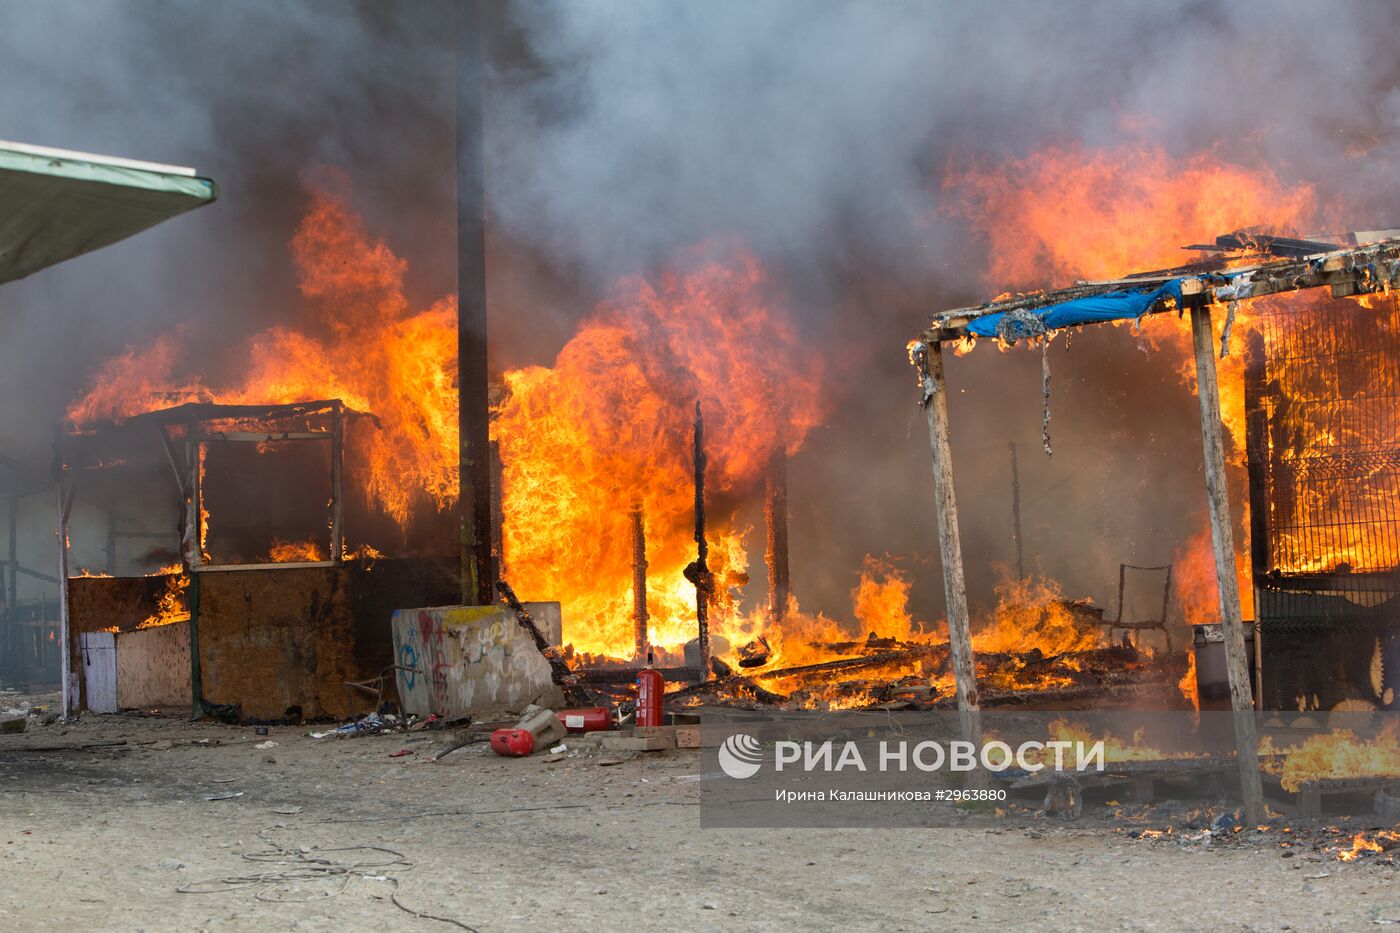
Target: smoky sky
620,133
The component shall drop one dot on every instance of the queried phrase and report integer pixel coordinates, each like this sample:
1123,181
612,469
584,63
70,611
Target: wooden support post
639,583
1223,538
698,572
928,359
775,514
337,483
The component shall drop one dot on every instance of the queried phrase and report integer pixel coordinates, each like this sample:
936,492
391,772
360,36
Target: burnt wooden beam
639,583
1223,541
913,653
698,572
1352,271
625,675
928,362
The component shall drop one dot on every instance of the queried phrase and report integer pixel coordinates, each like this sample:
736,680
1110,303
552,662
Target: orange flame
610,426
881,602
1034,614
1071,213
284,552
1067,213
376,353
172,606
1337,754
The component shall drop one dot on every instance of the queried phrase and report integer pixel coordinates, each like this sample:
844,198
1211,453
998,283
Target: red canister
589,719
513,743
651,689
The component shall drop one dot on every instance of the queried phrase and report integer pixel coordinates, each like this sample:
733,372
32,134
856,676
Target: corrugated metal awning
56,204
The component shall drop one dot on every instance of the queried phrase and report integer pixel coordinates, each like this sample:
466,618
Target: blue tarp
1110,306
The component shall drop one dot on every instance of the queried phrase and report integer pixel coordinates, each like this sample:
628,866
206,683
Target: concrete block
473,660
618,742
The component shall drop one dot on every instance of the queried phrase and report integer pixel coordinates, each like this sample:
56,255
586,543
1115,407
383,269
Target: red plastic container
651,689
588,719
513,743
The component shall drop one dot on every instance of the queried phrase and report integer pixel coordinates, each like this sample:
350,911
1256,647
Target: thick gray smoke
621,132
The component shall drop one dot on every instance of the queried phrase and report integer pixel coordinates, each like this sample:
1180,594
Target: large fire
1066,214
371,350
609,426
1336,754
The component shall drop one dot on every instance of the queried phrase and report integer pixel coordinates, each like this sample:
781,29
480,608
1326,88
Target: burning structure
1324,498
1320,458
273,615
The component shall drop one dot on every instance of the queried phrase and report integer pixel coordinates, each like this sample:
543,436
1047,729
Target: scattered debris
228,795
372,724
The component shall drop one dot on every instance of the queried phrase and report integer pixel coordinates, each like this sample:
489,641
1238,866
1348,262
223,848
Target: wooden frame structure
1356,270
201,425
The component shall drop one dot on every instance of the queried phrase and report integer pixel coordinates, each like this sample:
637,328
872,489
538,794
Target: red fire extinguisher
651,689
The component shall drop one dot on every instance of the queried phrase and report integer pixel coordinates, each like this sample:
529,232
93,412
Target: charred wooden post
474,469
698,572
1223,539
928,361
1016,514
775,514
639,581
337,482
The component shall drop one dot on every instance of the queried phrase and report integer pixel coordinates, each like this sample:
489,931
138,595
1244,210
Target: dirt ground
106,838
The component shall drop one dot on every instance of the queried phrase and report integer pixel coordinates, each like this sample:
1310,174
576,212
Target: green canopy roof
56,204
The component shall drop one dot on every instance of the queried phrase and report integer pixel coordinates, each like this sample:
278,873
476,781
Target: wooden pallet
1308,799
1064,789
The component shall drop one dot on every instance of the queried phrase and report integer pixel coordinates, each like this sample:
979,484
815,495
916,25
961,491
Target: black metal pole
473,415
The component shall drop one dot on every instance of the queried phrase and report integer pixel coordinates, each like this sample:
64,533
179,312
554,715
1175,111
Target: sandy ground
104,839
